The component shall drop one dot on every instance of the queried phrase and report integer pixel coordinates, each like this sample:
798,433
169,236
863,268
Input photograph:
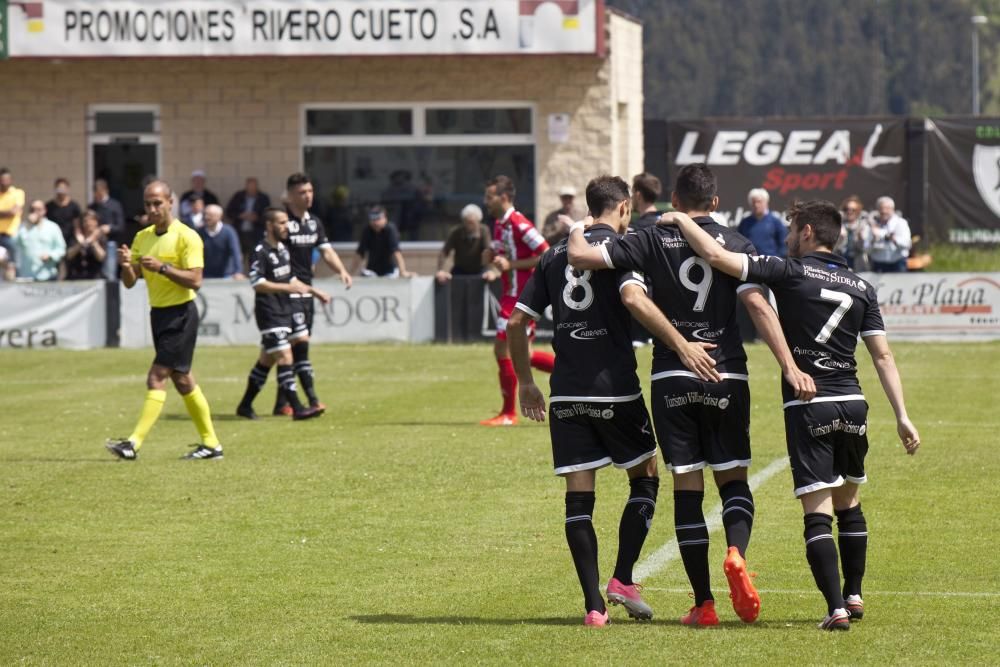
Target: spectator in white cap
197,191
553,229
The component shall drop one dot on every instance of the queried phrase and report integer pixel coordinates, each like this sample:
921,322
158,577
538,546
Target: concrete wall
240,117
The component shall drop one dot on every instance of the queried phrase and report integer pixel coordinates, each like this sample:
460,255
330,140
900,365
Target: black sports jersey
273,265
823,308
593,335
304,235
699,301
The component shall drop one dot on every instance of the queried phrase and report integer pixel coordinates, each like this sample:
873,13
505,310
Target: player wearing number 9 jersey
824,308
700,423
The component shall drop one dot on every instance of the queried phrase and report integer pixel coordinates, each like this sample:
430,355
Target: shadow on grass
216,417
410,619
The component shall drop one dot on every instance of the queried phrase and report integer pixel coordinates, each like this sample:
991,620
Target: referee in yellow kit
169,256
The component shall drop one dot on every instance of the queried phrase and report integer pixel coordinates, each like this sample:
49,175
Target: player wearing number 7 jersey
824,307
700,423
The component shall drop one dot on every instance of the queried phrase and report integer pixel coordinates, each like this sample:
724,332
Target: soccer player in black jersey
700,423
272,280
305,233
824,308
597,416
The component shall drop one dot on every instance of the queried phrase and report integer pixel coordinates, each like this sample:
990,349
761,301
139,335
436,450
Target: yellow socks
201,415
151,407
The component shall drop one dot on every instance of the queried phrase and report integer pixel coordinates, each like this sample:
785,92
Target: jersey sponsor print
304,235
272,264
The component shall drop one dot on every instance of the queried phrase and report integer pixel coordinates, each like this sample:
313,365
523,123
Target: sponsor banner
797,159
939,306
491,311
186,28
66,314
375,309
963,180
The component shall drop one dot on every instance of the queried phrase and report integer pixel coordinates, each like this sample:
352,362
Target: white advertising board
191,28
939,306
40,315
375,309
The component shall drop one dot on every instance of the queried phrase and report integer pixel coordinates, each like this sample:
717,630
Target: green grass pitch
396,530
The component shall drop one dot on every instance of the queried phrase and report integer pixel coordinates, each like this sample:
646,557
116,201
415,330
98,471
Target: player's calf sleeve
255,382
852,536
692,542
151,408
201,415
303,368
582,541
737,513
508,386
287,388
821,552
543,361
637,517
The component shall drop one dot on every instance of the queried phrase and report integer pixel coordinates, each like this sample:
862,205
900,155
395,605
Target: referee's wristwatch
163,269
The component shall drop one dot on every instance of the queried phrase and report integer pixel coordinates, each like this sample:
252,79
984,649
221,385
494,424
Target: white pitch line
811,591
668,553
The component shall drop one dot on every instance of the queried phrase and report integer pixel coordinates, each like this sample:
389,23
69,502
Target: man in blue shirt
765,230
223,258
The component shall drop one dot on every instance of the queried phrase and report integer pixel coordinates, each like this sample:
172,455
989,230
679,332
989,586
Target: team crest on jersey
273,258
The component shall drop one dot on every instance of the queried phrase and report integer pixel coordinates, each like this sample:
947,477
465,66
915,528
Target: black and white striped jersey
593,329
823,308
699,301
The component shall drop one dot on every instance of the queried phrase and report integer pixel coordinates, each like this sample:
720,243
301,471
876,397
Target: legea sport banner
376,309
794,159
41,315
963,180
114,28
939,306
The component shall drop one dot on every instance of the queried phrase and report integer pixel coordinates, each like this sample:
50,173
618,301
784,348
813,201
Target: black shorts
302,317
827,444
588,435
175,332
702,423
275,339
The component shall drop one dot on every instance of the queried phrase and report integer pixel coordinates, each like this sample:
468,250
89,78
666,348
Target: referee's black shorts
175,332
302,317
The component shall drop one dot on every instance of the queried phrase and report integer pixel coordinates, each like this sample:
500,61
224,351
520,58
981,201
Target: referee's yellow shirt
179,246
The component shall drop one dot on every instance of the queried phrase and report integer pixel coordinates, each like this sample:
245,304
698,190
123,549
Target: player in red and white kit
517,247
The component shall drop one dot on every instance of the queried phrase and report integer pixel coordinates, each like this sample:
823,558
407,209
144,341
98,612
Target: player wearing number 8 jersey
825,308
700,423
597,416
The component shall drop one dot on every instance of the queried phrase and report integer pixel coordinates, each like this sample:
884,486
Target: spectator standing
11,206
379,248
112,219
63,211
197,191
891,240
468,241
40,245
86,254
222,246
764,229
646,191
245,212
553,229
195,218
855,235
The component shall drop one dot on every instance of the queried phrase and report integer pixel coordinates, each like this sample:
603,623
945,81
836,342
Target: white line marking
796,591
668,553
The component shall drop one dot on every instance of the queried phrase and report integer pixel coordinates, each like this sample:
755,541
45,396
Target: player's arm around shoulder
888,375
582,255
731,263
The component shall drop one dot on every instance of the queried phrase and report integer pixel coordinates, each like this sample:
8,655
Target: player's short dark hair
297,179
271,213
604,193
504,186
696,187
821,215
648,186
4,171
60,181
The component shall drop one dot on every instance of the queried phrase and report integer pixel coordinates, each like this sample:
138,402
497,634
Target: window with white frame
423,162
